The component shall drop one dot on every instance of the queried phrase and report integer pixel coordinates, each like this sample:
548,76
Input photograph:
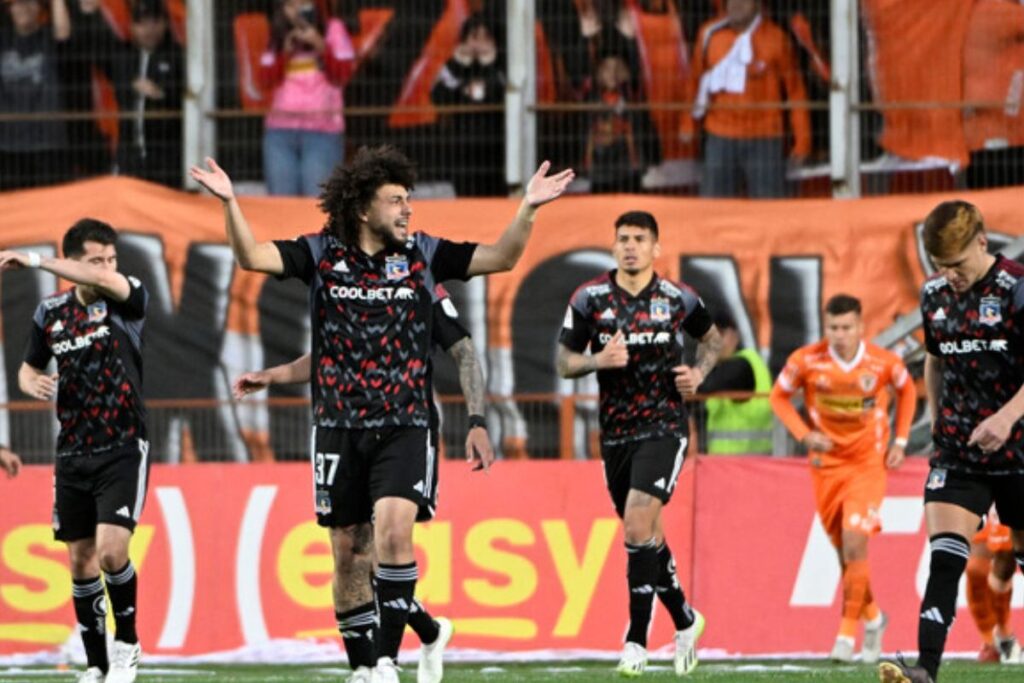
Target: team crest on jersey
660,311
936,479
990,310
97,311
396,267
868,381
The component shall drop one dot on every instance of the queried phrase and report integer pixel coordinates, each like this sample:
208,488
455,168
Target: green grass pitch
718,671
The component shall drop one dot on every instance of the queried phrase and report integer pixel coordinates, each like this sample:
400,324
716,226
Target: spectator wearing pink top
307,64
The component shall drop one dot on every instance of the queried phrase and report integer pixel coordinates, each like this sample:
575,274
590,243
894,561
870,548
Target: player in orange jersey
989,589
845,383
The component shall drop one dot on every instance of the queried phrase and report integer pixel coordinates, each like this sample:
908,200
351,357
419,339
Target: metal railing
535,426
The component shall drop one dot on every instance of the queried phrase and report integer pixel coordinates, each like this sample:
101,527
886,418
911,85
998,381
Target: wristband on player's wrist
477,421
34,259
900,441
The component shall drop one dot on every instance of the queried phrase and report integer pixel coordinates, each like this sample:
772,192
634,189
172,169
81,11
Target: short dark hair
86,230
473,22
843,303
724,320
148,9
350,188
640,219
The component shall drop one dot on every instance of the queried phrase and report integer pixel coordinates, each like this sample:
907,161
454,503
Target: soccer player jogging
633,321
990,589
845,382
452,337
973,316
371,284
94,331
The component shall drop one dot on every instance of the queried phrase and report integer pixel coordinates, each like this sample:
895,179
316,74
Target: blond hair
950,227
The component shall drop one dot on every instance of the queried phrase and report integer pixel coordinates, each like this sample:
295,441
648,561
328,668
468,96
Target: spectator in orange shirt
994,73
845,382
744,59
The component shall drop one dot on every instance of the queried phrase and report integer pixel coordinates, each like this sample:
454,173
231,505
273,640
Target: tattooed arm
471,379
688,378
471,375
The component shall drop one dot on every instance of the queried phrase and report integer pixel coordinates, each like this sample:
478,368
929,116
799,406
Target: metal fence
853,97
535,426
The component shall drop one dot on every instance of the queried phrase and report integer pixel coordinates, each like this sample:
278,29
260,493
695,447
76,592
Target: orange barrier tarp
867,247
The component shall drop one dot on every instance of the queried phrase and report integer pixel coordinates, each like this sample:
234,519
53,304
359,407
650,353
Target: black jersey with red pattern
978,335
371,320
98,349
639,401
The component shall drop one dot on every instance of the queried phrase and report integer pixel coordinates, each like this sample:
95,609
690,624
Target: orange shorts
994,535
849,499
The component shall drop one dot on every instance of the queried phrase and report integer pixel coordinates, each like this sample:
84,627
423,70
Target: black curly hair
350,188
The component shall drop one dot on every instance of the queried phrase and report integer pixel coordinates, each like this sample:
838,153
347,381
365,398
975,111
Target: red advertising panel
526,558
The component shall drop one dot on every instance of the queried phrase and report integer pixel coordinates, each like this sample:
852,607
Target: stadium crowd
720,97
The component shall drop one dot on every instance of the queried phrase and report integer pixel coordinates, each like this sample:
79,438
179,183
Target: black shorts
106,488
354,468
651,466
429,505
977,492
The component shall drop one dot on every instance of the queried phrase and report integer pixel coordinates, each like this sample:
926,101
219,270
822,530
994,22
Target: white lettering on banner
819,576
181,596
974,346
639,338
79,342
375,294
247,564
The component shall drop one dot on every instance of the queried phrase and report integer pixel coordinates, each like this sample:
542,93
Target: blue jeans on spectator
758,161
295,162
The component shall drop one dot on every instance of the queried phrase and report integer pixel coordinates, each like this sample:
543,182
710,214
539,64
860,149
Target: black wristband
477,421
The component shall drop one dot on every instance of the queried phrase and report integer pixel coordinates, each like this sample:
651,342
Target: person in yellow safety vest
738,425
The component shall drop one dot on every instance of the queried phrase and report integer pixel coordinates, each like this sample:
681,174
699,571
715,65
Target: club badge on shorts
660,310
936,479
323,502
396,267
990,311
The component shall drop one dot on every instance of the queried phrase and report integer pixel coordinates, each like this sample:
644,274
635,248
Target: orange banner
772,263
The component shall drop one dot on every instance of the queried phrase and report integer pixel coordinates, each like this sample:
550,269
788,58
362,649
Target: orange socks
979,597
1001,595
856,589
871,610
